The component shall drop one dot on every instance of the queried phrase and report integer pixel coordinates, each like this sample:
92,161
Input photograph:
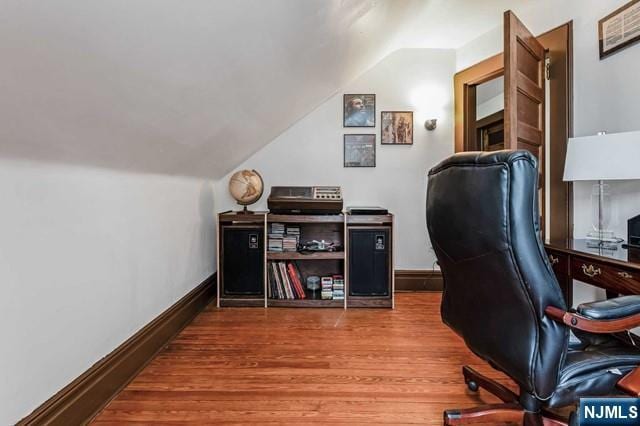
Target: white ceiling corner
194,87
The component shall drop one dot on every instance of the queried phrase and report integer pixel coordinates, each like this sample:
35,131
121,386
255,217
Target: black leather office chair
501,296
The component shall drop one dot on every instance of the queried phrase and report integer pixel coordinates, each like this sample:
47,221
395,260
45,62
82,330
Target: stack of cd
293,230
289,243
274,243
327,288
275,238
338,287
277,228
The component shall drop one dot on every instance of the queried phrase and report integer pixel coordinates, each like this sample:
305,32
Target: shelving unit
312,227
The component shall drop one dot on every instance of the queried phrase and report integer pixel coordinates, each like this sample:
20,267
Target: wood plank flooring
320,366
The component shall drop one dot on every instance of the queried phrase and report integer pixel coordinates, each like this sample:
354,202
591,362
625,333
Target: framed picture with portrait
359,111
396,128
360,150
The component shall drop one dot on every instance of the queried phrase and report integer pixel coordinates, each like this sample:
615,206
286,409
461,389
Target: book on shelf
274,281
296,280
285,281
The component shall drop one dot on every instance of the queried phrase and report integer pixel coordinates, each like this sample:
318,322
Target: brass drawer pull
623,274
591,271
554,260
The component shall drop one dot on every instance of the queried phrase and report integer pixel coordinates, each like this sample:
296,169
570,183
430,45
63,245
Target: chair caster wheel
473,386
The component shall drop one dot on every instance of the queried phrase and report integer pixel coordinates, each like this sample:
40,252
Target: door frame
464,83
559,44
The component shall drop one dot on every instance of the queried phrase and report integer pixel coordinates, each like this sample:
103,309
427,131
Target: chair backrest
482,217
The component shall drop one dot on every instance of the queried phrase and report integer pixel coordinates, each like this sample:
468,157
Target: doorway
480,120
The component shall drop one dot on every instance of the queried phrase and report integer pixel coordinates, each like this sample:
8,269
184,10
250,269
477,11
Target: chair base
509,411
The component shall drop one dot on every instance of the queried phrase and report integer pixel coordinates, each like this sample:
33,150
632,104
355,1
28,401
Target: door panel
524,88
524,96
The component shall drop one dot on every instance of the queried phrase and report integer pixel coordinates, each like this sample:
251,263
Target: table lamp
603,157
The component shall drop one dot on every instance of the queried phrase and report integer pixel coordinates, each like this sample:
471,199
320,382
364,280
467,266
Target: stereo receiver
305,200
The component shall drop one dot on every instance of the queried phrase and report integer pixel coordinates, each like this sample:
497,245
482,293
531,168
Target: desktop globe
246,187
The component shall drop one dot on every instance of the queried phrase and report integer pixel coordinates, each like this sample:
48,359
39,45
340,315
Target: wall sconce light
431,124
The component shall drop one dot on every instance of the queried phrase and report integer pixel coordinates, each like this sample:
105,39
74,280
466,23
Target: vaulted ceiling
193,87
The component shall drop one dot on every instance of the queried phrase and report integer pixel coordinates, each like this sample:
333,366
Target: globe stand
245,210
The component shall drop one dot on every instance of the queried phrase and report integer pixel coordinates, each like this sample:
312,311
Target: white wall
87,258
311,151
490,106
606,93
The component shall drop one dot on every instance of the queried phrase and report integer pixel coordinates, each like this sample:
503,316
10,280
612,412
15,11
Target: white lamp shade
614,156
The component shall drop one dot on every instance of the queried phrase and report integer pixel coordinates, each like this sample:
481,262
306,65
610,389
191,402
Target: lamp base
603,240
607,236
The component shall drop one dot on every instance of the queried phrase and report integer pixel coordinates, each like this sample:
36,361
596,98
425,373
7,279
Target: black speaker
369,261
243,260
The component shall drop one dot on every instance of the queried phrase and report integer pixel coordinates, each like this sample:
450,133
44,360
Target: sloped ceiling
194,87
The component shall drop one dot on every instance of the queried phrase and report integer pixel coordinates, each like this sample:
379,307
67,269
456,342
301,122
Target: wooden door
524,97
524,92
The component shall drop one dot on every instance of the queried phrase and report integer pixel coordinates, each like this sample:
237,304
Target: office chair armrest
606,322
615,308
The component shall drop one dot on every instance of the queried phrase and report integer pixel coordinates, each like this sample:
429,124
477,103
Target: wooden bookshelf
333,228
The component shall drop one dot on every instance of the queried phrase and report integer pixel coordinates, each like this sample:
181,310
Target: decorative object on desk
619,29
633,233
359,150
359,111
397,128
603,157
246,187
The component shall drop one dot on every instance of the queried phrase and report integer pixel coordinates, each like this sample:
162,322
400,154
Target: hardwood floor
251,365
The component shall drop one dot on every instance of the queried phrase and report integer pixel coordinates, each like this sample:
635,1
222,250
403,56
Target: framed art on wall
359,111
619,29
396,128
360,150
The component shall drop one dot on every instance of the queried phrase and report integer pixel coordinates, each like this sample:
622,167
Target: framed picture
359,111
619,29
396,128
359,150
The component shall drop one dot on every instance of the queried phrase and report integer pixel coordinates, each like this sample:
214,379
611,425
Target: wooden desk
616,271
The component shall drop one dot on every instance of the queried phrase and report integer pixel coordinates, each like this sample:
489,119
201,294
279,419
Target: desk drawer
559,262
615,279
